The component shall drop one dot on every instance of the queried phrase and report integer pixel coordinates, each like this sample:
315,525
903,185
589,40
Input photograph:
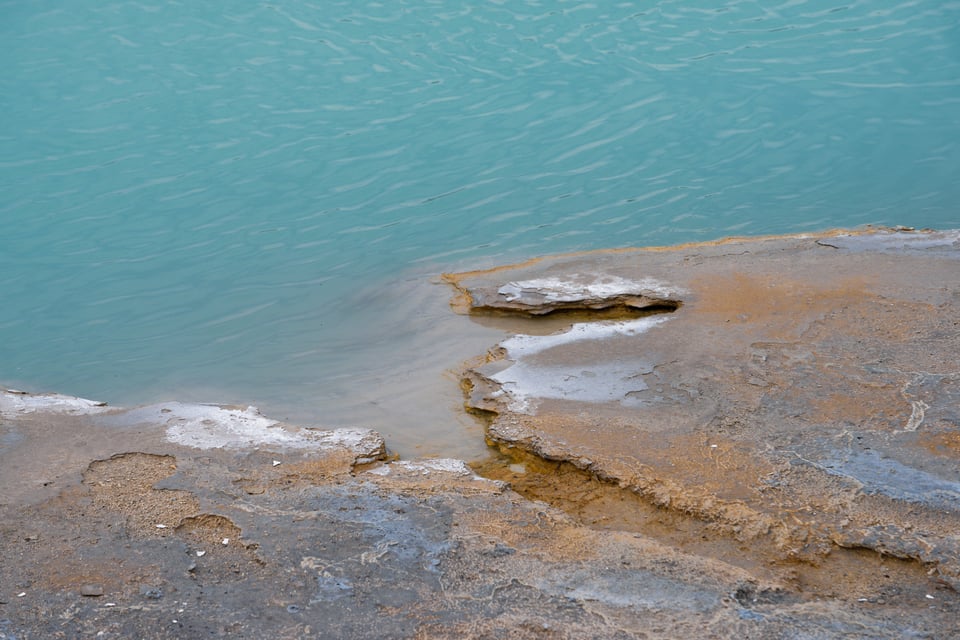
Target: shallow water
250,202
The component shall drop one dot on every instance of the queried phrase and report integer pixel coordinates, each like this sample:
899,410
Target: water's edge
413,395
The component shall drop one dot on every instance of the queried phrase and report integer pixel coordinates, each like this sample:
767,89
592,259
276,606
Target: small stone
499,550
153,593
91,590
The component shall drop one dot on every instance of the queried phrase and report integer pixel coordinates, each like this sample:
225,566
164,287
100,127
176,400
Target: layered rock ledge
798,398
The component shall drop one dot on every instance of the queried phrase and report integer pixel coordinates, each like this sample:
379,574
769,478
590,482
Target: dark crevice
580,311
551,321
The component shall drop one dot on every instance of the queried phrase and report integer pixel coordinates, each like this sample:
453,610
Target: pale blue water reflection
246,201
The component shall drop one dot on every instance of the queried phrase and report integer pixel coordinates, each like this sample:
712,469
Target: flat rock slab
123,528
799,394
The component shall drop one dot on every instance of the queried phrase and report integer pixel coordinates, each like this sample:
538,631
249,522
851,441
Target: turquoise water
247,201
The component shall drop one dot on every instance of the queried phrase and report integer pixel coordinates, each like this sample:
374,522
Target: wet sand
758,437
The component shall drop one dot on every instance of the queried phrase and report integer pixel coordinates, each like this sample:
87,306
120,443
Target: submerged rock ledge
755,438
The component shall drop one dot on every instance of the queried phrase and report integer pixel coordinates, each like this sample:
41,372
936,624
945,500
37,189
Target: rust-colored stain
318,470
772,299
945,444
868,408
461,302
125,483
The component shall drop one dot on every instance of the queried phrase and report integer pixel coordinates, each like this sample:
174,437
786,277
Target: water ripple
170,170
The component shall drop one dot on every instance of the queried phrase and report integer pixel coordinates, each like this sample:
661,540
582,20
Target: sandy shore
754,438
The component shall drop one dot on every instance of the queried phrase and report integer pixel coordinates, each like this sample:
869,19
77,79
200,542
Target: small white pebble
161,526
110,604
21,594
276,463
713,446
200,554
930,596
225,541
